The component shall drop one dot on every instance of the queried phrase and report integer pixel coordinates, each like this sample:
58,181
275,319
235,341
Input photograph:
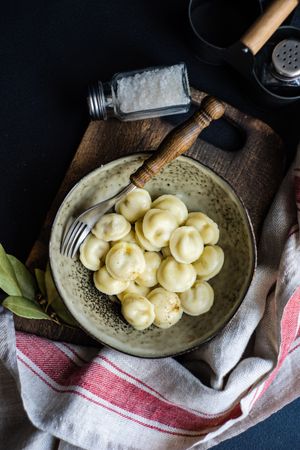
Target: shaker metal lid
286,58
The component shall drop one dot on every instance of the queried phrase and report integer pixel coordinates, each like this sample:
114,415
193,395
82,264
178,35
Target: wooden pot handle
263,28
178,140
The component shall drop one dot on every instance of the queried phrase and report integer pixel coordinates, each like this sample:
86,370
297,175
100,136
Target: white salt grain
158,88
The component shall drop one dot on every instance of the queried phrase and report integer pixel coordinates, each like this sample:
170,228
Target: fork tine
73,237
66,238
77,243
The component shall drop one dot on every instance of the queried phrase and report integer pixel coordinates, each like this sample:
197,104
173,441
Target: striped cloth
57,395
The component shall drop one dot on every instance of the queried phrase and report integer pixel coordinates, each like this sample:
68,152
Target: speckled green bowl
201,190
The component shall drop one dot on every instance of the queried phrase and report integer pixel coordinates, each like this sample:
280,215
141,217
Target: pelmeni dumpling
134,288
186,244
158,226
167,308
197,300
108,285
166,252
91,252
125,261
111,227
142,240
134,205
138,311
130,237
208,229
175,276
210,262
148,277
172,204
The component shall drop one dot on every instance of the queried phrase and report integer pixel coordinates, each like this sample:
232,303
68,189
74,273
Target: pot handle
263,28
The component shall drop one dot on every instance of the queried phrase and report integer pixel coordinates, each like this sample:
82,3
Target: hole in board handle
223,133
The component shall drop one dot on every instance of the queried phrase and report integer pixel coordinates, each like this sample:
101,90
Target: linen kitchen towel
57,395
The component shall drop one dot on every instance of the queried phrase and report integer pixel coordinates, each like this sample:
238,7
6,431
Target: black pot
216,30
218,24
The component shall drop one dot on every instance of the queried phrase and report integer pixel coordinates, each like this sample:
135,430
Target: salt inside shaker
140,94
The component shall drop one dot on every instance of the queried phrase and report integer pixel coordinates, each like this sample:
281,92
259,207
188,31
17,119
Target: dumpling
166,252
167,308
111,227
197,300
134,288
130,237
125,261
208,229
134,205
210,262
186,244
138,311
91,252
148,277
172,204
158,226
108,285
142,240
175,276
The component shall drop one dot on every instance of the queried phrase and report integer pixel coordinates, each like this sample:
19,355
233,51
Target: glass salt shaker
140,94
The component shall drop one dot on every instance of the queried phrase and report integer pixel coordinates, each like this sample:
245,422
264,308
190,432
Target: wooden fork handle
179,140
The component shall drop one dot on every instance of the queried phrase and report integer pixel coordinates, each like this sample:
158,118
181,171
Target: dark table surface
49,52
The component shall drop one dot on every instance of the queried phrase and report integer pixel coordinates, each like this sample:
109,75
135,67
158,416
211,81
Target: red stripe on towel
80,394
289,330
106,385
127,374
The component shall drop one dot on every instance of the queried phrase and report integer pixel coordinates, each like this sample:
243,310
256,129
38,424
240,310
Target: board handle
263,28
179,140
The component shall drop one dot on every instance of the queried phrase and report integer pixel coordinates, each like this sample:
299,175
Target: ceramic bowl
201,190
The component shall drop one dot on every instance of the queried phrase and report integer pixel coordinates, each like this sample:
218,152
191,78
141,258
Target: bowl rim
253,247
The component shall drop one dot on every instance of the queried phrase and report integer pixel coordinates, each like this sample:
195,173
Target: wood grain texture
179,140
255,172
263,28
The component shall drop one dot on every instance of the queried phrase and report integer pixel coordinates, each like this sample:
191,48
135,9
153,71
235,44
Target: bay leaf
25,280
23,307
55,301
62,312
8,279
40,278
51,291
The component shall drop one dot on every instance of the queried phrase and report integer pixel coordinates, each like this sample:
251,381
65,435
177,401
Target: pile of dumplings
156,257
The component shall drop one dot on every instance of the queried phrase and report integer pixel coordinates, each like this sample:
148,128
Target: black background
49,52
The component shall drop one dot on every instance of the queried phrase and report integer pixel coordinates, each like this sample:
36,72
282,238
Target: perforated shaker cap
286,58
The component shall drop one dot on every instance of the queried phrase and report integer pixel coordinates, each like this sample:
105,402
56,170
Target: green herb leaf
8,279
51,290
23,307
55,300
40,278
62,312
25,280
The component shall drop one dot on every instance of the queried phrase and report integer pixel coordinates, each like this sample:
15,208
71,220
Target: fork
83,224
178,141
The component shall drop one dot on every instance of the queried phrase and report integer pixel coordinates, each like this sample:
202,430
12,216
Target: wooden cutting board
255,172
